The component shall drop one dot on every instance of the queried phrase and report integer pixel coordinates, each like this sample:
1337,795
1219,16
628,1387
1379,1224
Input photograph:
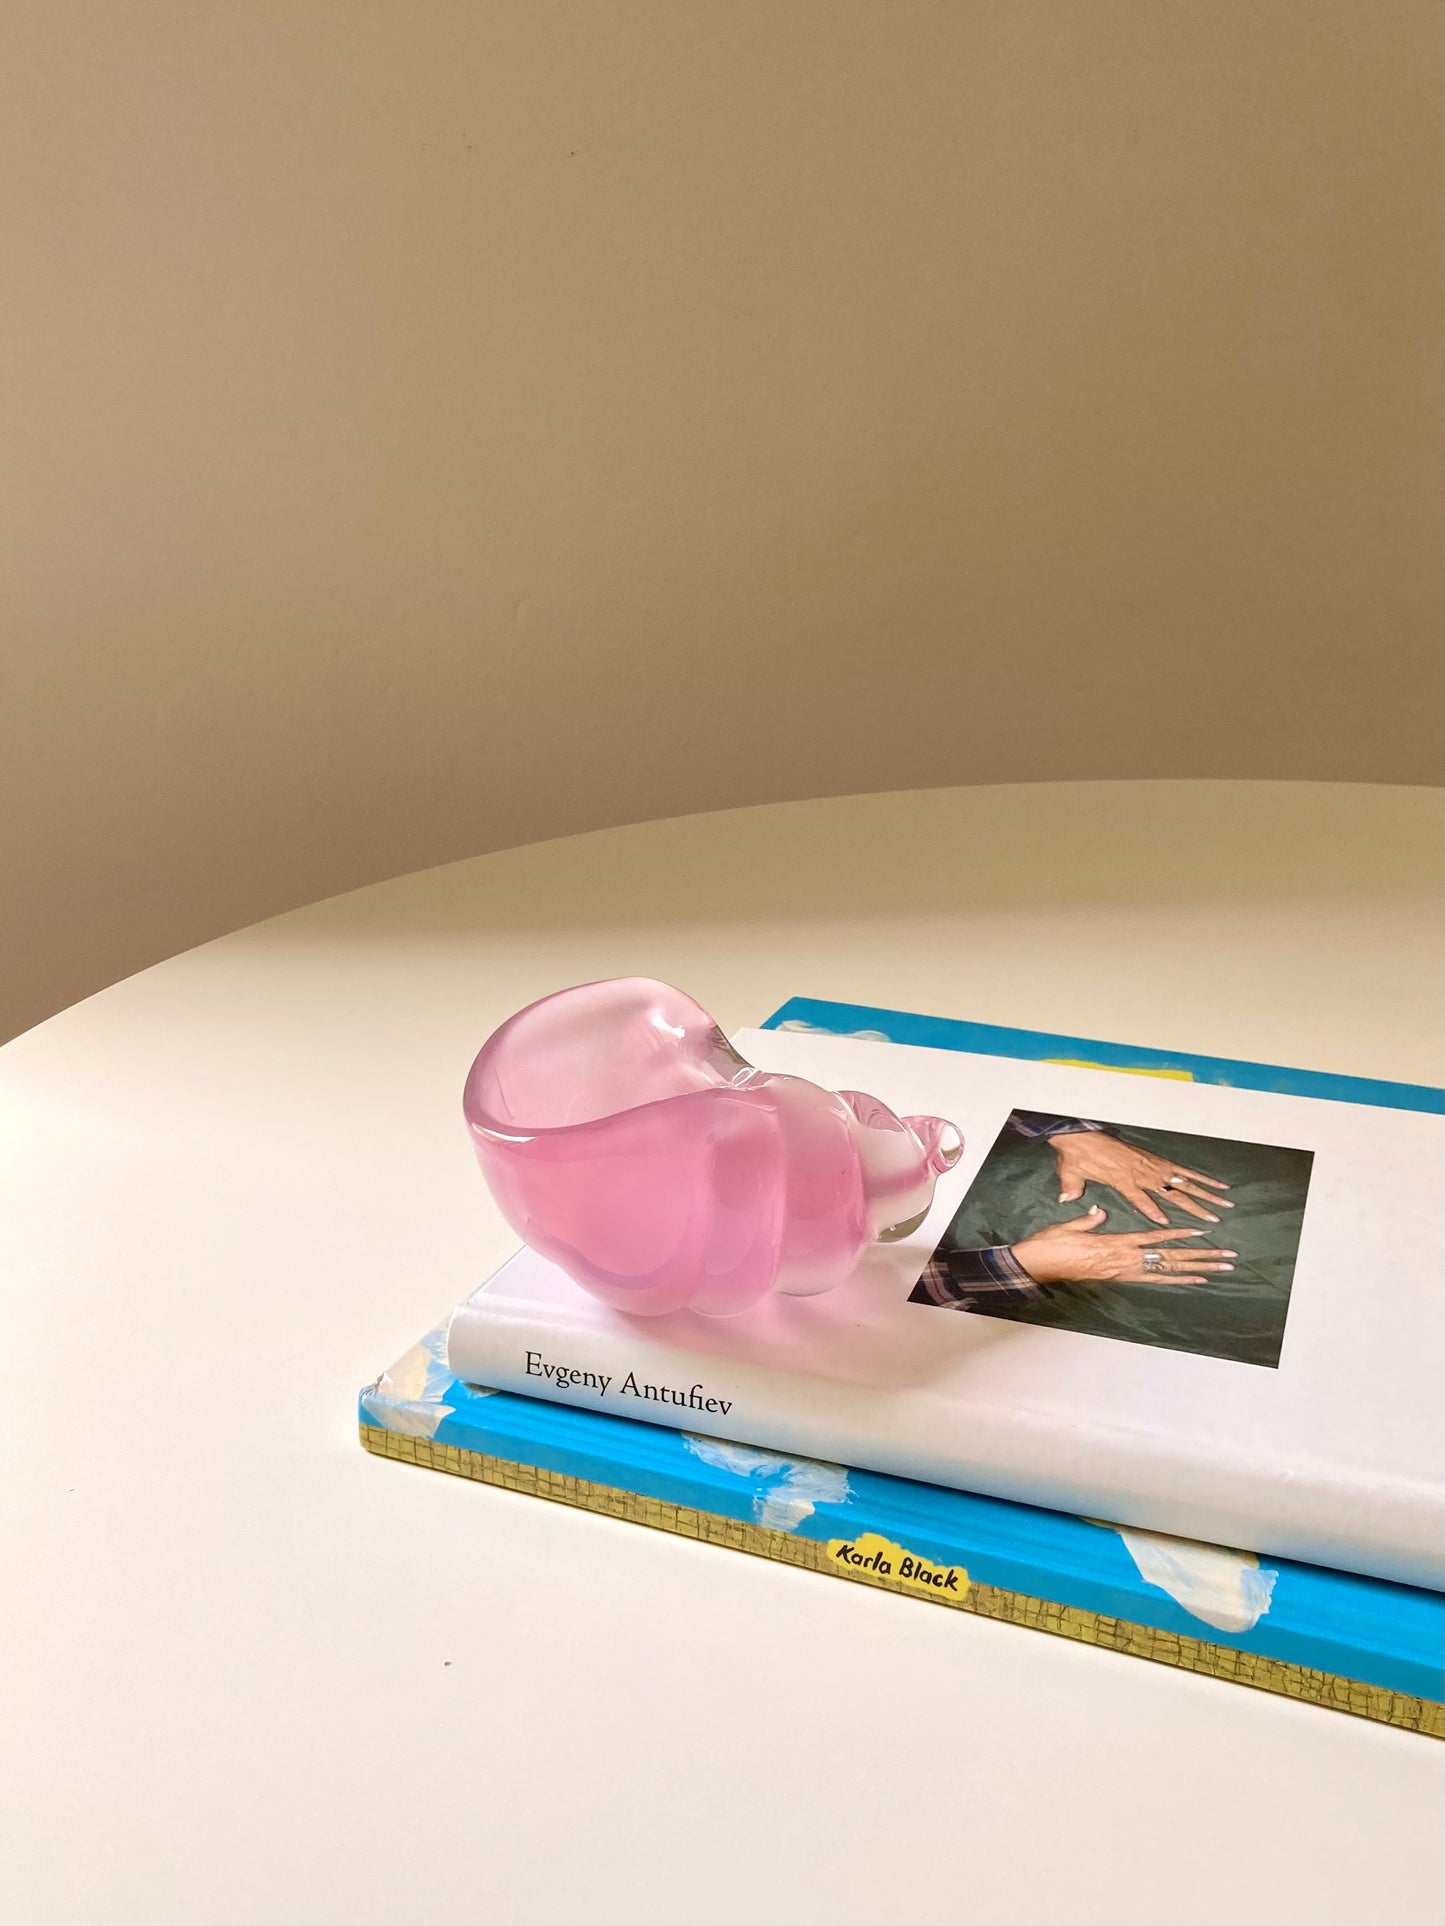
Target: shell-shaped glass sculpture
625,1139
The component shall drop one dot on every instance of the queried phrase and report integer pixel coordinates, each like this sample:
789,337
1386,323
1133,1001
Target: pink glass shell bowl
624,1138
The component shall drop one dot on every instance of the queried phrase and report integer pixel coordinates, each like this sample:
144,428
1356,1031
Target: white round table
252,1674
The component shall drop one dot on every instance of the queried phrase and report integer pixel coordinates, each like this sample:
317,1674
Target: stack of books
1258,1422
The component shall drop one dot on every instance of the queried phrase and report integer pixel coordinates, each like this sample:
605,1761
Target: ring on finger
1176,1182
1153,1260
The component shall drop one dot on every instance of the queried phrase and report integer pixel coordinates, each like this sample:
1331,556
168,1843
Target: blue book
1357,1644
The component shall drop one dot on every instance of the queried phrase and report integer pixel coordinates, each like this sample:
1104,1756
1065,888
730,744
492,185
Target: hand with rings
1099,1157
1075,1253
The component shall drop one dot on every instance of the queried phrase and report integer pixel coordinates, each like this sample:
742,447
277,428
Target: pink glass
625,1139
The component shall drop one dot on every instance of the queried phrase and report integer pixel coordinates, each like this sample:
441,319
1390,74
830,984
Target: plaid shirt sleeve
1033,1123
965,1280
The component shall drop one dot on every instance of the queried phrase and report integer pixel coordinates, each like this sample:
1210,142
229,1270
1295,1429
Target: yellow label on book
875,1557
1129,1069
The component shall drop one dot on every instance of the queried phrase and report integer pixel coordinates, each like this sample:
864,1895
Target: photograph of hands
1150,1236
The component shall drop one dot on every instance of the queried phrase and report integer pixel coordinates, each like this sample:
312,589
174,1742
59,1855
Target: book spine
1159,1484
565,1363
913,1434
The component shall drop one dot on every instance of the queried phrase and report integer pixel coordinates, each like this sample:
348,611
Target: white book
1291,1407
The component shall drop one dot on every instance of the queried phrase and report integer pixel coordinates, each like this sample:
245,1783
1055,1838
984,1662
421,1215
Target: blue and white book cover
1327,1638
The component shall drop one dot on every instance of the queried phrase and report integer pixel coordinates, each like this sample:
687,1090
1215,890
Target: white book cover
1290,1406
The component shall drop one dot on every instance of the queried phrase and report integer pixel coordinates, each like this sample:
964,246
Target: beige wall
429,427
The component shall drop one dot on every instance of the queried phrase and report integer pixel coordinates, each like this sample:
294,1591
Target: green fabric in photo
1238,1315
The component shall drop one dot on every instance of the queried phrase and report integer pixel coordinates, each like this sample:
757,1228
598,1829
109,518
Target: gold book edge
1299,1682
